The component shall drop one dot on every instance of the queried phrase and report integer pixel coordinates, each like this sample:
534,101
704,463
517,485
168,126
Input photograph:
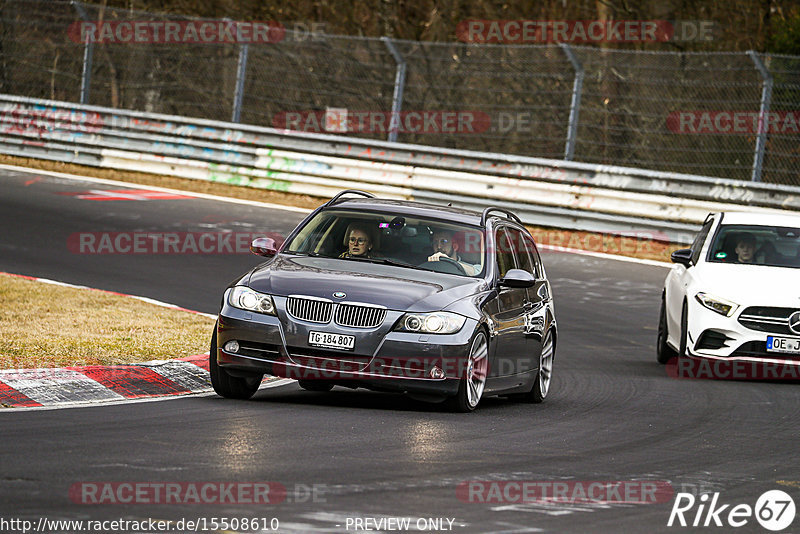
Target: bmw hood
750,284
397,288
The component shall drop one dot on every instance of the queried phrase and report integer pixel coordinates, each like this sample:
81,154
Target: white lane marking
277,382
168,305
555,508
513,528
603,255
132,185
141,467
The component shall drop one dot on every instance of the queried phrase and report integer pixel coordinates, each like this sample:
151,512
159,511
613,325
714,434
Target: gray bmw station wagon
441,303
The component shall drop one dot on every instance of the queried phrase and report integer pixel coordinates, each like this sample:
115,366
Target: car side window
530,246
697,245
522,247
504,252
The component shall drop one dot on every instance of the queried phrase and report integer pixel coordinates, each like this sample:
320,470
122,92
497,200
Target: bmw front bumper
402,362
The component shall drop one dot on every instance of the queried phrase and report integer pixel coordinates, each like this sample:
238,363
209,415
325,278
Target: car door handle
528,305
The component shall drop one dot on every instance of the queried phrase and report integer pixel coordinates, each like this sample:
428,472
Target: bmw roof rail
353,191
501,210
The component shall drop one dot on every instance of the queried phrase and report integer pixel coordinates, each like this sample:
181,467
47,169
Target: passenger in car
359,240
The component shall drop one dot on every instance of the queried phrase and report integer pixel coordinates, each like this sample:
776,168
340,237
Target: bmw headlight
244,298
717,304
431,323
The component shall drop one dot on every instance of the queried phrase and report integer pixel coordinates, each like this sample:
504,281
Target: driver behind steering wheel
445,246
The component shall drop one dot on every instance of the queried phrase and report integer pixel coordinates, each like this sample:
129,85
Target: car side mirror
263,246
682,256
518,278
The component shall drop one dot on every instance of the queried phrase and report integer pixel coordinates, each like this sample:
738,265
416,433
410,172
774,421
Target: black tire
664,352
315,385
682,352
226,385
472,384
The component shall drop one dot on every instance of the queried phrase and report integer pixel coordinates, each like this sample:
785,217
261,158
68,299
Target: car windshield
777,246
393,239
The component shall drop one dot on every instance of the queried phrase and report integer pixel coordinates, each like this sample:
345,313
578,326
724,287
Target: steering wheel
444,265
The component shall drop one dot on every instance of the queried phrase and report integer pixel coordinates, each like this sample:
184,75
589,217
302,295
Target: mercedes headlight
717,304
244,298
431,323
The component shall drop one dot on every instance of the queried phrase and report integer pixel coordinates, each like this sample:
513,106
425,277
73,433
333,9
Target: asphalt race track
613,414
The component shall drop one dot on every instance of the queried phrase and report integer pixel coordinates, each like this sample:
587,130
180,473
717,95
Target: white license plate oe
331,341
787,345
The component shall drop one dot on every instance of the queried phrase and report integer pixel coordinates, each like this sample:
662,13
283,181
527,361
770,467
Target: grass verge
45,325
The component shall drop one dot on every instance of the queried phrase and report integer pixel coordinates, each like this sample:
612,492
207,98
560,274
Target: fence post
766,97
399,83
575,103
88,54
241,73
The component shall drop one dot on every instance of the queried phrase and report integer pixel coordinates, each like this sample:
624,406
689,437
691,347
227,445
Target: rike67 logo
774,510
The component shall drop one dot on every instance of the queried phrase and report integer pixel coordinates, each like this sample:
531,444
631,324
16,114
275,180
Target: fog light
437,373
232,346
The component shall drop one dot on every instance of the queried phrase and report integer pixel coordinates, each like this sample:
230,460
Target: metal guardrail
544,192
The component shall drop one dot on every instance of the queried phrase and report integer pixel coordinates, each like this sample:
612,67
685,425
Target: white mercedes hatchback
735,294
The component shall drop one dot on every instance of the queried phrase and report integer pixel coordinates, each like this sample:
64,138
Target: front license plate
331,341
787,345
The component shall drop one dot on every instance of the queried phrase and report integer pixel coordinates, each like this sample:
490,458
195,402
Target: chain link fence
730,115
